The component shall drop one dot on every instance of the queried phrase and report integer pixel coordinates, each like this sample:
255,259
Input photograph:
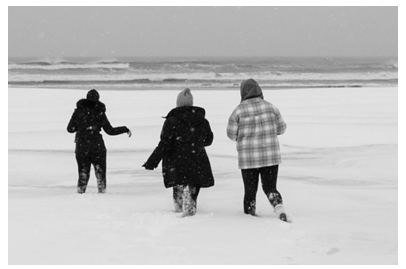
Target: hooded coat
185,134
87,121
255,125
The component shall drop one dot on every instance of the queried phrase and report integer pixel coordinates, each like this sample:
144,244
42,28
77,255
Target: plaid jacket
255,125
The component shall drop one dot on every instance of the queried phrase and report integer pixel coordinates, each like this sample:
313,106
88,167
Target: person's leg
190,193
250,178
194,192
99,163
177,198
84,163
269,177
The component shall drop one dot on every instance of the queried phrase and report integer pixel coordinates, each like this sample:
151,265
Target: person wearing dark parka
185,164
88,119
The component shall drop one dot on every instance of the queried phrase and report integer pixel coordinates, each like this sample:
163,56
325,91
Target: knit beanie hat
249,89
185,98
93,95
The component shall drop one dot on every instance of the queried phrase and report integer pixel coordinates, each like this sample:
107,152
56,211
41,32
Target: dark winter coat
185,134
87,121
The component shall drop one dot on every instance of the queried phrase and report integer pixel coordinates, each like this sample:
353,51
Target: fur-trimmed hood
96,105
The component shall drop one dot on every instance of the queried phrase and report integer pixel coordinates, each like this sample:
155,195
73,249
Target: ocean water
129,73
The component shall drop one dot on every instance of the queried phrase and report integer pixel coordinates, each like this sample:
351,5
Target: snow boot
189,205
101,184
81,189
178,207
283,217
178,198
280,213
250,208
101,188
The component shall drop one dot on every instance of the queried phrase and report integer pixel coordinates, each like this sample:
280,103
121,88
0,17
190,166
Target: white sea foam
225,73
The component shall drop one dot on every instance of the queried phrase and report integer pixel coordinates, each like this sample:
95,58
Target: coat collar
191,115
86,103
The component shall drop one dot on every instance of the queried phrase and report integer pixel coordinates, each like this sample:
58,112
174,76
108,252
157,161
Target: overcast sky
110,32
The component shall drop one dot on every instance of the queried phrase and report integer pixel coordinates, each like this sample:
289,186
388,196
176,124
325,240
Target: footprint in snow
333,251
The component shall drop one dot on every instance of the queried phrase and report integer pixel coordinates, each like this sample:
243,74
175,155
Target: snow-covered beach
339,181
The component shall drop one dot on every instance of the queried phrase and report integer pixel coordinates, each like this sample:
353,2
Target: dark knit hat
93,95
185,98
249,89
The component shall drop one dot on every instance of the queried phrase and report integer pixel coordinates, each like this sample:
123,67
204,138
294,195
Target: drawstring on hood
250,89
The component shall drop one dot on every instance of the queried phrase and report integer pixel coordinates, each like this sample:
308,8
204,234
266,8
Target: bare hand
129,133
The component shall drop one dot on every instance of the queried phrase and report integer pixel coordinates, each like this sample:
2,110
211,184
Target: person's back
259,123
88,119
255,125
190,133
185,165
88,122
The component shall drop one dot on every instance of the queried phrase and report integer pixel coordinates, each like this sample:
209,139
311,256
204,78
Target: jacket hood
250,89
190,115
96,105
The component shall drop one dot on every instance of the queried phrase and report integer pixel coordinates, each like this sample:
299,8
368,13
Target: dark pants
84,160
185,199
269,176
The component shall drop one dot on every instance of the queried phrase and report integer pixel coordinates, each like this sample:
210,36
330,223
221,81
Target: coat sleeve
164,146
110,130
209,135
72,125
280,123
232,127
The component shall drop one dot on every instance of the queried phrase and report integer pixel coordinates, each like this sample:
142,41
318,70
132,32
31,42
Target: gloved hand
148,166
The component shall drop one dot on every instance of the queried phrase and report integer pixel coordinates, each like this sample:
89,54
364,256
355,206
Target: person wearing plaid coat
255,125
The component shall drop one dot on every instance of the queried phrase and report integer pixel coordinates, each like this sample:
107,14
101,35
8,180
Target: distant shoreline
104,88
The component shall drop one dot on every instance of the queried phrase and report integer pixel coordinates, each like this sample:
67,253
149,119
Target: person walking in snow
255,125
185,165
87,121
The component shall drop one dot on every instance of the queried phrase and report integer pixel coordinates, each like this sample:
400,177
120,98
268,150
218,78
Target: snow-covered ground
339,181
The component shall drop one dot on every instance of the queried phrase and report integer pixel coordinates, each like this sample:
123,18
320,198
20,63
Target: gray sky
202,31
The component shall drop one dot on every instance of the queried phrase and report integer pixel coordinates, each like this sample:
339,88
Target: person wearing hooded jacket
255,125
185,165
87,121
